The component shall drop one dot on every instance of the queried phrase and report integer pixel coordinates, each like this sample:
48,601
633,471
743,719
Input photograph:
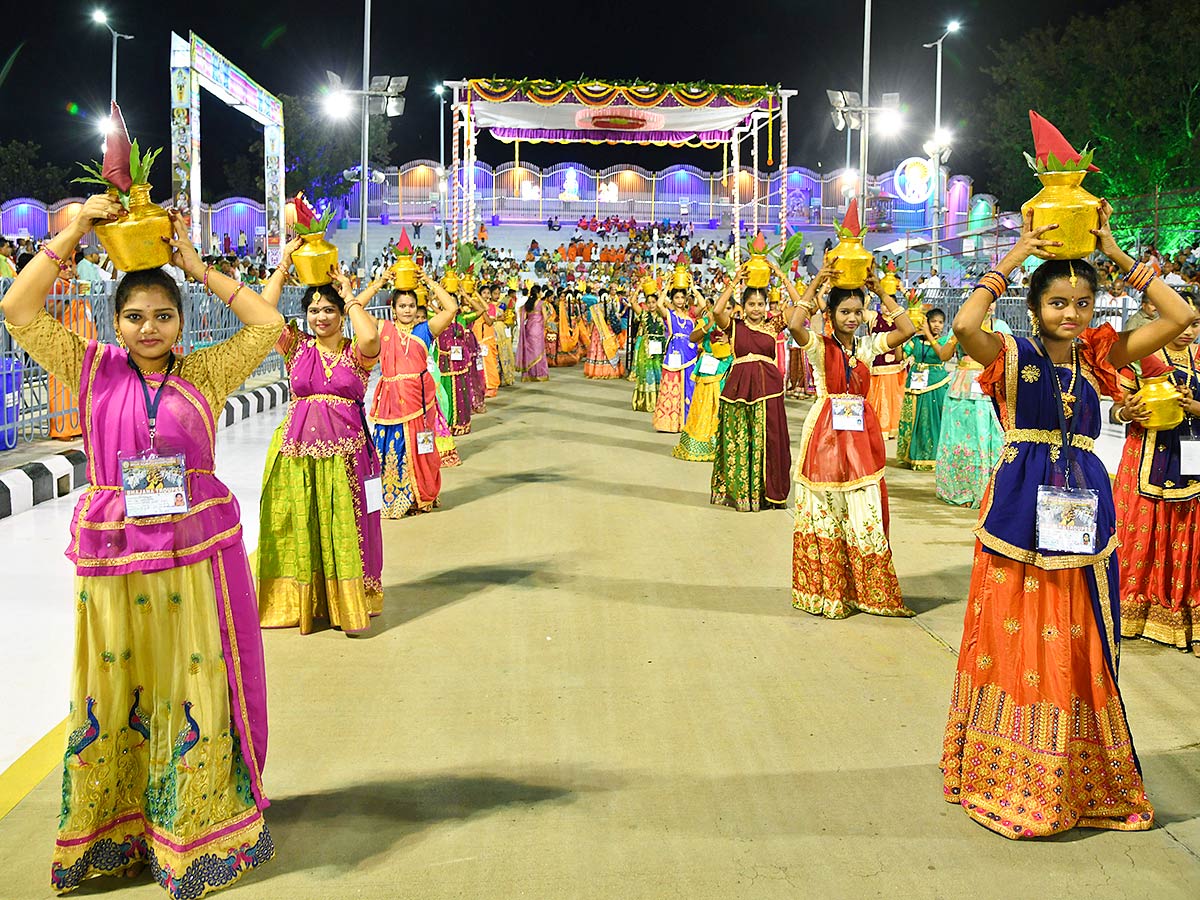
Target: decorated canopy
597,112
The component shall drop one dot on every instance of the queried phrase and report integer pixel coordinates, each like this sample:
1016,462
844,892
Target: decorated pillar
185,137
784,198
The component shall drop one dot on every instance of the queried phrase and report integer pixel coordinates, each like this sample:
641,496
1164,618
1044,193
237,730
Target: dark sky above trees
58,57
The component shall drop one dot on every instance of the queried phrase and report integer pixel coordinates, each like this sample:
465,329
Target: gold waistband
1046,436
330,398
754,357
403,375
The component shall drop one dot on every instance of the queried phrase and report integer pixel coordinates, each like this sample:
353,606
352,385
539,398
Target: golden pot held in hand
1062,202
314,259
1161,397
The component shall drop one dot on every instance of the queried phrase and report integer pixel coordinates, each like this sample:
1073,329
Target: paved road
588,683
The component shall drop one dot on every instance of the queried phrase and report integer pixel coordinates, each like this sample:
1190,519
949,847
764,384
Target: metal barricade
48,408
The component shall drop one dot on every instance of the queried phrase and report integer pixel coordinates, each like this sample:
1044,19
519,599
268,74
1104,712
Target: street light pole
363,181
101,18
866,115
936,156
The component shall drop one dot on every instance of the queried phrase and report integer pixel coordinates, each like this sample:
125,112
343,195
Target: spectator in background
934,281
7,252
87,265
416,231
1171,275
1146,313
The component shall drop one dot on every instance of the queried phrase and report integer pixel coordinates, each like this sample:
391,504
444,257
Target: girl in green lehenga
647,354
924,394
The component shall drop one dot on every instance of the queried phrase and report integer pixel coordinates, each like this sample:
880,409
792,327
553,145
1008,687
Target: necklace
329,359
1068,397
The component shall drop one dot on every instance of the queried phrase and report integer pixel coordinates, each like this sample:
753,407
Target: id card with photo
425,443
154,485
654,348
709,364
1066,519
847,413
1189,457
373,491
919,380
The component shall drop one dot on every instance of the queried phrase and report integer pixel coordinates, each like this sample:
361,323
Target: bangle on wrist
994,282
233,296
1140,276
56,259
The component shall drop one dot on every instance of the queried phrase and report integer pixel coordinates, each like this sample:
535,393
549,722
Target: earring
1034,325
120,337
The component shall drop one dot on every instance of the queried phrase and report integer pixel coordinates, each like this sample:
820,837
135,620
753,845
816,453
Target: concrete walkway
588,683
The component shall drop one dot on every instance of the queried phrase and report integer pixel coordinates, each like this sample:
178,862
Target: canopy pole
756,124
735,139
456,181
783,164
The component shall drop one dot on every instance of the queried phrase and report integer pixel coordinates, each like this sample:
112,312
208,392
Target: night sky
810,47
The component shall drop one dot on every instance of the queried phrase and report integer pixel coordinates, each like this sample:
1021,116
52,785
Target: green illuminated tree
1128,82
24,174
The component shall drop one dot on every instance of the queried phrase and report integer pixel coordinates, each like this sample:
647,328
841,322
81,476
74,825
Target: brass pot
758,273
314,259
890,284
853,260
466,284
450,281
1062,202
1162,398
405,274
681,279
916,312
135,241
649,286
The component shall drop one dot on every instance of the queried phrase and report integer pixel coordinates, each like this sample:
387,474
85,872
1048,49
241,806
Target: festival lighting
337,104
890,122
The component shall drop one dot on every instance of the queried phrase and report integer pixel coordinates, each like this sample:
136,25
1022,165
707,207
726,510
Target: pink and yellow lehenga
168,719
320,551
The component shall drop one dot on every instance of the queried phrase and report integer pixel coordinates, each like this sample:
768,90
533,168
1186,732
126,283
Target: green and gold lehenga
921,414
647,366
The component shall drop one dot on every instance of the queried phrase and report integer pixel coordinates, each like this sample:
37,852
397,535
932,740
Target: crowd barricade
36,406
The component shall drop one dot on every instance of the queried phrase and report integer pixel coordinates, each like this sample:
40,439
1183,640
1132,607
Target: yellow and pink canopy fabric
597,112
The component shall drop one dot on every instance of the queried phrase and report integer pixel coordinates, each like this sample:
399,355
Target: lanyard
1191,377
152,403
845,363
1056,388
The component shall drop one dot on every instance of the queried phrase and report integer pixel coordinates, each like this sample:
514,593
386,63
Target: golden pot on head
450,281
890,284
1162,398
853,260
773,296
681,278
422,295
135,241
1062,202
649,286
466,284
758,272
314,259
405,274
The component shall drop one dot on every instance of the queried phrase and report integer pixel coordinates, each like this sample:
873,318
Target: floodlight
337,104
100,17
953,26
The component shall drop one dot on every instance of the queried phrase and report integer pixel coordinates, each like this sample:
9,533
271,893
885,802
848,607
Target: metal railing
34,405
